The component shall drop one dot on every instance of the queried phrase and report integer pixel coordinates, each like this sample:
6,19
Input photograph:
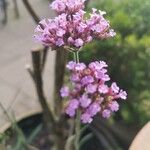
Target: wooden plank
142,140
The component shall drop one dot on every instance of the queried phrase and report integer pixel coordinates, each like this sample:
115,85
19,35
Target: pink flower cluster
67,6
90,93
71,28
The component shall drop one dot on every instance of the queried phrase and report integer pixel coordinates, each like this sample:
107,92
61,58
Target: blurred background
128,57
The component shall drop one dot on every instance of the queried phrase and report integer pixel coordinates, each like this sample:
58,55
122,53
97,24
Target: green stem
83,129
86,139
76,56
77,122
77,130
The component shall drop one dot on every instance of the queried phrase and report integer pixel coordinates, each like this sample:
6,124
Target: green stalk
77,121
77,130
76,56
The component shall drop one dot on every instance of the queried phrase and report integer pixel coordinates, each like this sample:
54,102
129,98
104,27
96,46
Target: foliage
128,54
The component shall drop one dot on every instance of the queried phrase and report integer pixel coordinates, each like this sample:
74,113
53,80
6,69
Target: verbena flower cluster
90,92
71,28
67,6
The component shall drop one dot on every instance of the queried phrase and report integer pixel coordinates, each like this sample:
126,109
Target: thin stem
44,57
35,17
77,130
86,139
6,113
16,8
60,63
77,121
76,56
47,112
83,129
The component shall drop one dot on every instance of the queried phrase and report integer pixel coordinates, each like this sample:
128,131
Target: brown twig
4,11
60,63
35,17
30,71
44,57
47,113
38,61
16,9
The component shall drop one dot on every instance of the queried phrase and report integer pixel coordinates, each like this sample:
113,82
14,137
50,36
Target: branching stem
77,122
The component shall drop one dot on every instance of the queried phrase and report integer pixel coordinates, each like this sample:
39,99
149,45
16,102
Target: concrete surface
17,92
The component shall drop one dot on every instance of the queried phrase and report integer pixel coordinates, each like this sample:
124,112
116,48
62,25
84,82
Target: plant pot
97,136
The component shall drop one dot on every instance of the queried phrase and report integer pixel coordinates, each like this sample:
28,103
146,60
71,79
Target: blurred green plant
128,54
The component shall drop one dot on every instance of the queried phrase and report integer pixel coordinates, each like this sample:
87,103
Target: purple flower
69,6
103,89
99,28
86,118
106,113
82,26
89,39
91,88
123,94
89,94
78,42
101,75
71,28
71,65
58,5
87,80
94,108
74,104
97,65
78,87
59,42
70,112
80,66
84,101
60,32
64,91
114,106
115,88
71,40
75,77
38,29
111,33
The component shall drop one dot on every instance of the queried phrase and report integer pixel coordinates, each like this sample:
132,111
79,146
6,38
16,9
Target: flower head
71,28
67,6
89,94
